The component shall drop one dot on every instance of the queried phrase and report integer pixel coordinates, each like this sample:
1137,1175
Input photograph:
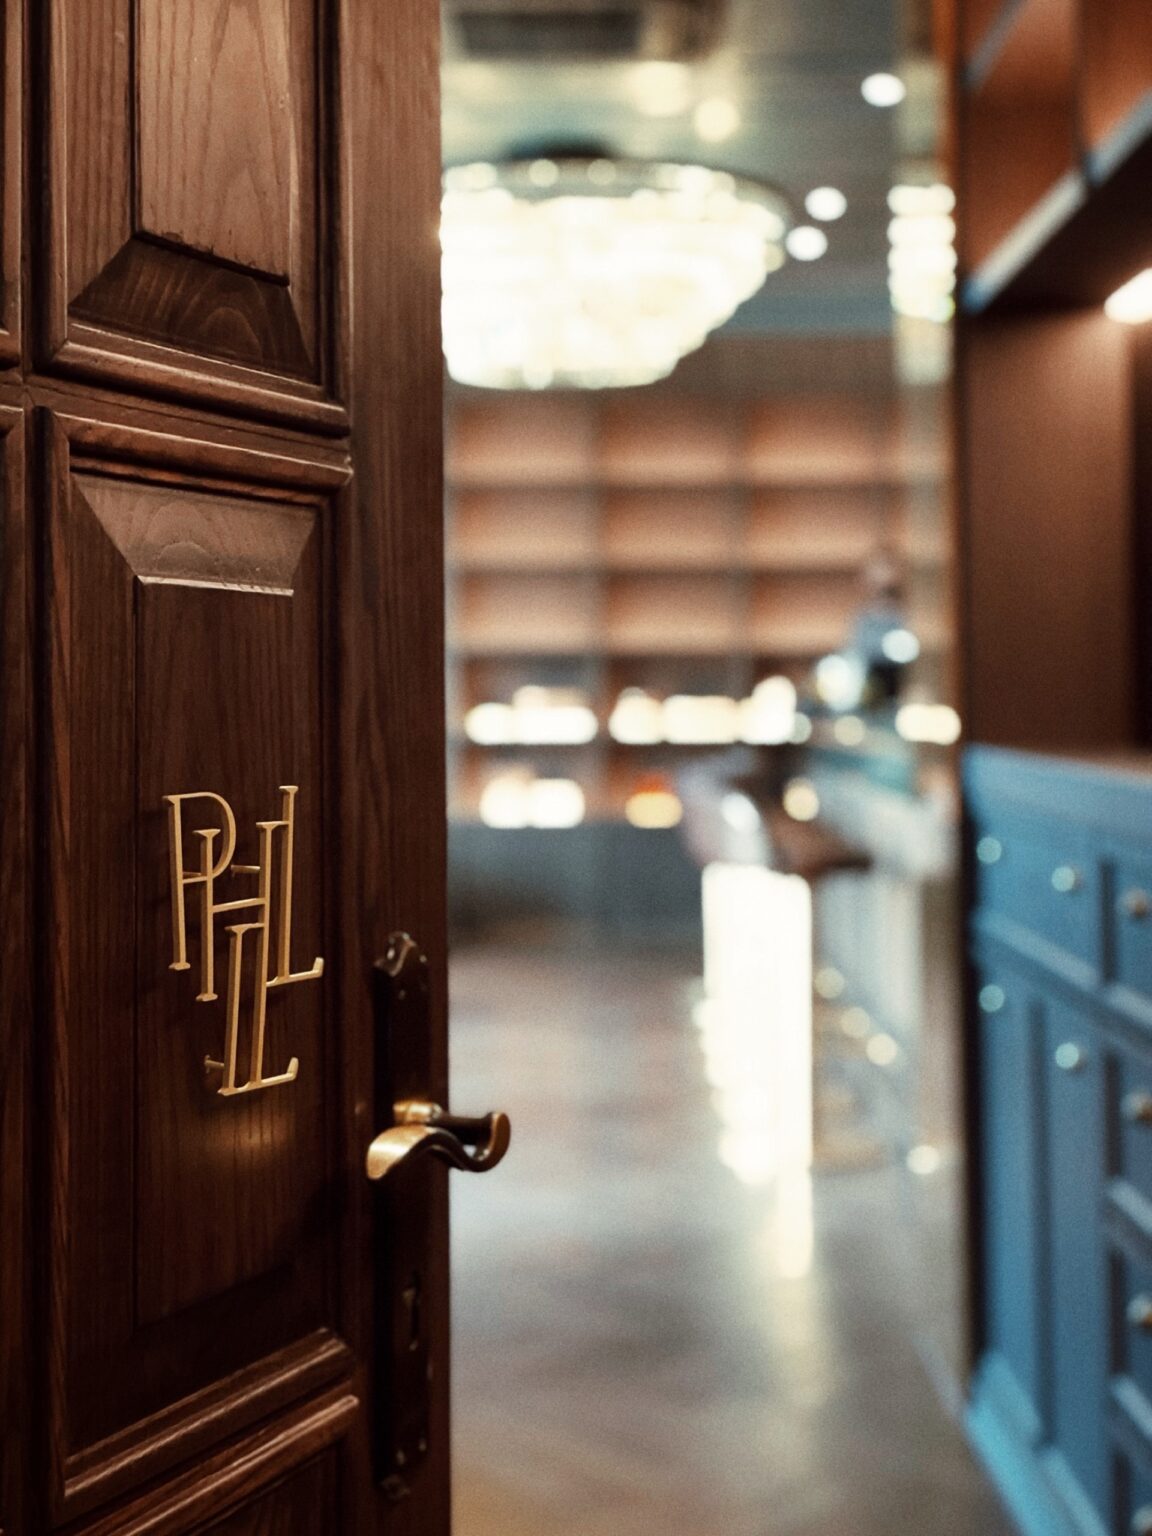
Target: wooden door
220,524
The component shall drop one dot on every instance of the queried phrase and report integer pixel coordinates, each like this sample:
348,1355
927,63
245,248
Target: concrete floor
643,1345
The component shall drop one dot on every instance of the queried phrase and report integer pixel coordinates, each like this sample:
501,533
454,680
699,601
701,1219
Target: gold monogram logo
213,863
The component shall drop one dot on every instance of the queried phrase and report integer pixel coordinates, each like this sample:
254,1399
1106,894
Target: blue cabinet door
1010,1168
1077,1329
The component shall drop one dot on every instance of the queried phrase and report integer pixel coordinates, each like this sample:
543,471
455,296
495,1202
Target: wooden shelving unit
1053,167
671,543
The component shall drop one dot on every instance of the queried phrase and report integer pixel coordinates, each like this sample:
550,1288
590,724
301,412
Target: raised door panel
194,202
195,1155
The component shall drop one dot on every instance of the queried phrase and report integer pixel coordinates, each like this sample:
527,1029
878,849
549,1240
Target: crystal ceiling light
584,272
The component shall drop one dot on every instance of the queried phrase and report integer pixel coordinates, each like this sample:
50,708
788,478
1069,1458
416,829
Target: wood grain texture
171,534
196,1201
220,603
192,206
228,1484
11,163
392,791
216,154
198,1423
16,754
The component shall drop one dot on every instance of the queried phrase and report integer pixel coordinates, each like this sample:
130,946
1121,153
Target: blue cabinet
1061,1068
1009,1175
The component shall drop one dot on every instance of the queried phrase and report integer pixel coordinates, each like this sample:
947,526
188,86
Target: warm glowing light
535,717
654,808
661,88
935,198
637,719
768,716
829,983
922,258
701,719
856,1023
849,730
756,1028
806,242
490,725
1133,303
900,646
800,800
516,798
840,680
937,724
504,799
881,1049
556,803
924,1160
826,204
883,90
716,118
596,273
739,812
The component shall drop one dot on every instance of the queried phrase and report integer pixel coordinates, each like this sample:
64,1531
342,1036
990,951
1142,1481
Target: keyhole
413,1305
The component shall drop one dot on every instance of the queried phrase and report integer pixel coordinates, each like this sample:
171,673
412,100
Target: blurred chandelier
579,271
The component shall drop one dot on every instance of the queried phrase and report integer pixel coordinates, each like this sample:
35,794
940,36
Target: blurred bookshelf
660,545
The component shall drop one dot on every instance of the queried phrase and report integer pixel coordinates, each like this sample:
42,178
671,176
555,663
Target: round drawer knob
1142,1521
1136,1107
1136,904
1139,1312
1071,1057
1066,879
989,850
992,998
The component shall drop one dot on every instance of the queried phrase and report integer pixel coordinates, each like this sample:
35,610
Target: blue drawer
1128,1099
1076,1268
1041,881
1133,1497
1132,1323
1130,923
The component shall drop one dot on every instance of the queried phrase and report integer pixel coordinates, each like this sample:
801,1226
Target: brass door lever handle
423,1129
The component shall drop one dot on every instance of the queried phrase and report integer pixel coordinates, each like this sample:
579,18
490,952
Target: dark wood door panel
11,161
16,855
286,1479
190,655
194,197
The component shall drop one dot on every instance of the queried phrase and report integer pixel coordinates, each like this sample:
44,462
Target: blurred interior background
704,816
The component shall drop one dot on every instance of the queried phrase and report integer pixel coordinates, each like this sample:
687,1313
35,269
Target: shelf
893,476
1116,49
652,613
1088,238
1019,127
1068,171
517,529
503,612
680,545
696,529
